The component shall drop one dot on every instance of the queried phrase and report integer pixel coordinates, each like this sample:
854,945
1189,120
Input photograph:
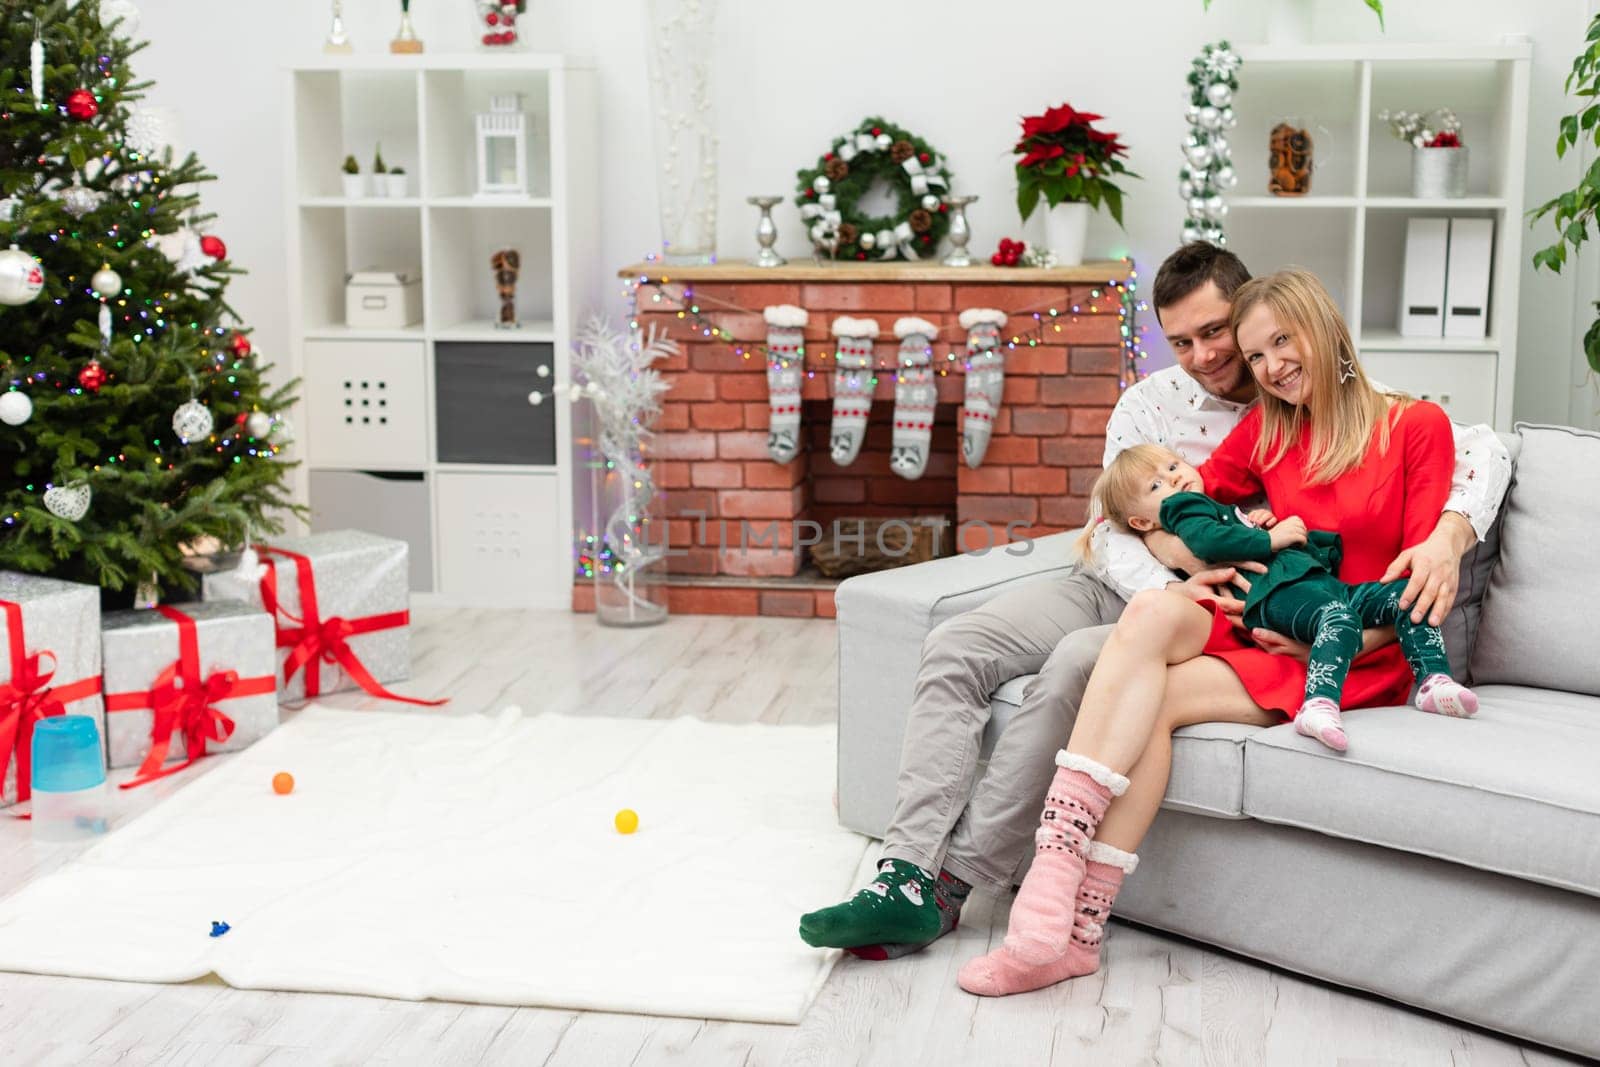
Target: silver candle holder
338,42
766,231
960,232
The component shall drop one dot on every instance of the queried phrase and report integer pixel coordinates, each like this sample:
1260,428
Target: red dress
1388,503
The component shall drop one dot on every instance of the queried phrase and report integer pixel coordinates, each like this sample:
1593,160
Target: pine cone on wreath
920,220
902,150
836,170
848,233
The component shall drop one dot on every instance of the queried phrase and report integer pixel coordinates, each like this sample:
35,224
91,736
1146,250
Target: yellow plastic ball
627,821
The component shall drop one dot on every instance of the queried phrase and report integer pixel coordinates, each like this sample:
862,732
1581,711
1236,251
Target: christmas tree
135,417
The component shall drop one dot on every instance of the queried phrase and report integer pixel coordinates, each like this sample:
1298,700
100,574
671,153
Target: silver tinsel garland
1208,172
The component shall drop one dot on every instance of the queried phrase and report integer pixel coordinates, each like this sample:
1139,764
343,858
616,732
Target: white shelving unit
1350,228
425,432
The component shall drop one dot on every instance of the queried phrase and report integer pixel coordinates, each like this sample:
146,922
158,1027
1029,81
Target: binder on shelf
1422,292
1466,302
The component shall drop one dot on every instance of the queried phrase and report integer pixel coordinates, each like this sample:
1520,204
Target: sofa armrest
883,619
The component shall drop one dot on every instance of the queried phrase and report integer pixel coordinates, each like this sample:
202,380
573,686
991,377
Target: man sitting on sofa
940,843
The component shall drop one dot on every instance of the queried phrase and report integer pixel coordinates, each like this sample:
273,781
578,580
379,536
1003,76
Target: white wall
791,76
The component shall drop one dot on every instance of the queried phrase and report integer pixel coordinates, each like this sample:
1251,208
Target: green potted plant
1069,164
355,183
1573,212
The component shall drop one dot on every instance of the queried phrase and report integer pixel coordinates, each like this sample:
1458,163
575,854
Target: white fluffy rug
472,858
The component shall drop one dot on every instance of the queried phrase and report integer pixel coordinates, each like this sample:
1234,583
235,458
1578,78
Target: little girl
1148,487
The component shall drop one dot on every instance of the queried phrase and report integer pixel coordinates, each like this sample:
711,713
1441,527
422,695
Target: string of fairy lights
1114,296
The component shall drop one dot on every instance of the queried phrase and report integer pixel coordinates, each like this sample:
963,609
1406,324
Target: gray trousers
1054,627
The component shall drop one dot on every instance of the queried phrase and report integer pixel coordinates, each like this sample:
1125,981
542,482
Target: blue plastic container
68,779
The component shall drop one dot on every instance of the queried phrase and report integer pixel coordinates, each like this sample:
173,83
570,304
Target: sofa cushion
1533,628
1462,624
1513,790
1207,760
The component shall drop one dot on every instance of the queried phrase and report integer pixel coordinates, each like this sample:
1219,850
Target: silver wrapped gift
58,637
146,669
361,591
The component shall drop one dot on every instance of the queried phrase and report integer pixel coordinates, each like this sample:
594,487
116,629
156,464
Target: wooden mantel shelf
738,270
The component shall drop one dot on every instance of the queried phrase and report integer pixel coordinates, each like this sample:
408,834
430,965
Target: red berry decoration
92,376
239,344
213,247
82,105
492,18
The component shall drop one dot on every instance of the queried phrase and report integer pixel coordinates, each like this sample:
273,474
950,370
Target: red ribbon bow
313,640
185,703
27,698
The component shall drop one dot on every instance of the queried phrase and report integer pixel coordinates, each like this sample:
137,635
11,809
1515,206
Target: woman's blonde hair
1116,492
1344,408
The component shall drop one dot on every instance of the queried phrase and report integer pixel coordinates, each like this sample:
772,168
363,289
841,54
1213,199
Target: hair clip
1347,370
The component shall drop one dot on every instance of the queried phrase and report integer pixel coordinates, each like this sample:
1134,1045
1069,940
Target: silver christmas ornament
1210,118
282,431
78,201
258,425
930,203
15,408
1200,155
70,502
1218,95
21,277
883,141
1229,119
1220,147
192,421
1191,115
106,282
1226,178
821,184
112,10
867,241
1197,206
1185,190
1191,234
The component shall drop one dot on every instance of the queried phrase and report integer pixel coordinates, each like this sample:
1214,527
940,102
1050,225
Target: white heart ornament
70,502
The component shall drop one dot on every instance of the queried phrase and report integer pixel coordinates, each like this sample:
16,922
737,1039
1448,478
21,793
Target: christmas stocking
785,371
986,375
852,387
914,397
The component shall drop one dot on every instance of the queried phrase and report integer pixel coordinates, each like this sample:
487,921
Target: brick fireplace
710,453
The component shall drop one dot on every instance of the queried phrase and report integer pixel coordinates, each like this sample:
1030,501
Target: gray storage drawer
481,400
391,503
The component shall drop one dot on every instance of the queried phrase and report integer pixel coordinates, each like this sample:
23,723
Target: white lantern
503,148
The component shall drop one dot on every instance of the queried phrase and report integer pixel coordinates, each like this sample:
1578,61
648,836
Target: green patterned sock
949,894
898,906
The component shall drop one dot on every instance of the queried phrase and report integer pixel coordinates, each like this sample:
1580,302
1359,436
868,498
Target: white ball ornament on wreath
930,203
192,421
70,502
1218,95
821,184
867,241
1209,118
106,282
883,141
21,277
15,408
258,425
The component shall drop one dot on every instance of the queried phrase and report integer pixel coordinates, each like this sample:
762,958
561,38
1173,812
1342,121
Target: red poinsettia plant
1065,159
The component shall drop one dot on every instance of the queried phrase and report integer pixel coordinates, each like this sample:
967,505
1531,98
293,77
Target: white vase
679,63
355,185
1288,21
1439,173
394,185
1065,227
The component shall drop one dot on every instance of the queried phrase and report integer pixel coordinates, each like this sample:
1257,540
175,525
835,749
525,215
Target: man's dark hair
1192,266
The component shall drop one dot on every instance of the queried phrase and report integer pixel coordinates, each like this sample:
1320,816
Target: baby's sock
899,906
1319,718
1004,974
949,894
1443,695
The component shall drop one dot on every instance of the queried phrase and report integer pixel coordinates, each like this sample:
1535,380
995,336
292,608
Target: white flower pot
1065,227
394,185
1439,173
355,185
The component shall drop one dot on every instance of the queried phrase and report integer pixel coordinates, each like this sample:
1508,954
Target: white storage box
383,299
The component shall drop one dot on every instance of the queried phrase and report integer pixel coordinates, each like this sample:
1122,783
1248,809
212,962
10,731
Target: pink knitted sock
1443,695
1039,934
1001,973
1319,718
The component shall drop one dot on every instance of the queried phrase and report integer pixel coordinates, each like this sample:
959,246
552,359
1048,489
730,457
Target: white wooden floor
1157,1000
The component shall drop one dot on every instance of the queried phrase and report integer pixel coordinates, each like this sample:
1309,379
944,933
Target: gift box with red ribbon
182,681
340,602
51,666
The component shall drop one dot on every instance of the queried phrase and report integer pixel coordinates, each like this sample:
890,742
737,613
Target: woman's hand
1263,518
1435,567
1288,533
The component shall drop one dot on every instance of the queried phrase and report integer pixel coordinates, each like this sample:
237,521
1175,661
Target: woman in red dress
1323,445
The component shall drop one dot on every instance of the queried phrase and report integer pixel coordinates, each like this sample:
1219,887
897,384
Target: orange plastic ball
283,783
627,821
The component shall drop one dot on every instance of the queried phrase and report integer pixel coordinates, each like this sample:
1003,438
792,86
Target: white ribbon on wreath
921,181
900,241
827,215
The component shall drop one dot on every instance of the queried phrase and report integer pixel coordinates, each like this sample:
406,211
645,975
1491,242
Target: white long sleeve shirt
1169,408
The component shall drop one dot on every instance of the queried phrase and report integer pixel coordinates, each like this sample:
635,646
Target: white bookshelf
1350,228
490,532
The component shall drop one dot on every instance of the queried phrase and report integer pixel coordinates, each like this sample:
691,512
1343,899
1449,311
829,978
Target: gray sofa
1456,862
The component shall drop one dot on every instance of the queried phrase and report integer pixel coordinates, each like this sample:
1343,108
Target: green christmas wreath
829,194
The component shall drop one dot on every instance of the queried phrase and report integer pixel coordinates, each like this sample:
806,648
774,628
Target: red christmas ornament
213,247
92,376
82,105
239,344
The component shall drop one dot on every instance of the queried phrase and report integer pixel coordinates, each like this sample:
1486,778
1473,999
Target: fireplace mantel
739,270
